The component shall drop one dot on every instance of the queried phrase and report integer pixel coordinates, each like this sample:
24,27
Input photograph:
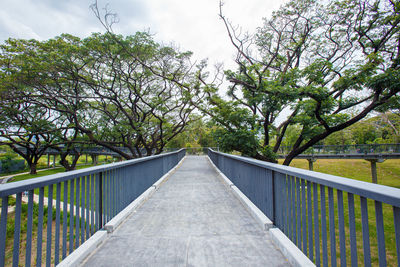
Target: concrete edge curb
295,256
260,217
165,176
225,179
120,217
84,250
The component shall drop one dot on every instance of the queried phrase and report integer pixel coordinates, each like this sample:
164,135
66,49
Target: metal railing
347,149
79,203
310,208
198,150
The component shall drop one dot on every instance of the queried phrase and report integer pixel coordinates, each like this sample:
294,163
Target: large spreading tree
326,65
128,94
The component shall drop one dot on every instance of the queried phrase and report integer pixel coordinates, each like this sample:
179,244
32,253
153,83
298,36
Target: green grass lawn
358,169
42,164
45,173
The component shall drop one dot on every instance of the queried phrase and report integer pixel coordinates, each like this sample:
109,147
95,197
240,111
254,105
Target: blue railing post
274,201
100,199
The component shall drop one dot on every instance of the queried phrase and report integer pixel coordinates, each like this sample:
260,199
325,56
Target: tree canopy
325,64
106,89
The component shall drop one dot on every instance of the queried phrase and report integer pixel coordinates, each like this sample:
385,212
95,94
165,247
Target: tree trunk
74,161
32,167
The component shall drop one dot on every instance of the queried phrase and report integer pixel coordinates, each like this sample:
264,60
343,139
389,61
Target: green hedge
11,165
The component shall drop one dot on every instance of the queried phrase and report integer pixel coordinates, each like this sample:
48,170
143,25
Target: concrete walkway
192,220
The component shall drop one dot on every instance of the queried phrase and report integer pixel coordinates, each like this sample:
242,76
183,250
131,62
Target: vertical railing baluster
77,206
290,221
71,215
17,229
88,193
112,190
310,222
65,222
99,201
294,229
105,197
83,205
365,231
298,205
3,229
92,206
281,200
117,174
112,193
396,218
49,224
109,197
108,207
304,215
277,201
57,234
285,203
381,234
323,227
316,226
342,234
118,194
352,230
128,183
40,228
29,228
332,235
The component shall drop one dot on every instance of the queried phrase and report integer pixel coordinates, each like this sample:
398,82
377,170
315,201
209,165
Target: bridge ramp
192,220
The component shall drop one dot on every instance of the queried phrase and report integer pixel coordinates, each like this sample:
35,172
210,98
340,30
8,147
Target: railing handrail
25,185
386,194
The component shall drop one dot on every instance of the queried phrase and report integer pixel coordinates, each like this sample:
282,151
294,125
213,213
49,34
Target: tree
198,134
27,129
382,128
317,60
118,91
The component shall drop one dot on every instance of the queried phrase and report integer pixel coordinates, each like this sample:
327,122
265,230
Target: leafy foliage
329,64
106,90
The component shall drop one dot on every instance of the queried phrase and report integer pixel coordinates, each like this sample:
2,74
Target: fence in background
198,150
312,209
84,201
346,149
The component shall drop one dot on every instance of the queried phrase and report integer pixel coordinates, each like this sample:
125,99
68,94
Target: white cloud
10,27
191,24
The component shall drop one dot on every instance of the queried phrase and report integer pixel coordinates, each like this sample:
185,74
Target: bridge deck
192,220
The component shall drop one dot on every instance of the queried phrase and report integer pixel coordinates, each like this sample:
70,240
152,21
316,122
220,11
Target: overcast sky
191,24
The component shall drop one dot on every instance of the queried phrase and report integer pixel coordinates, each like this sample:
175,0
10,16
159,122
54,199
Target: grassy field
358,169
42,164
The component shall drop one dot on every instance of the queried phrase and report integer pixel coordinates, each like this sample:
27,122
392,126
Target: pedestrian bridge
191,220
215,210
